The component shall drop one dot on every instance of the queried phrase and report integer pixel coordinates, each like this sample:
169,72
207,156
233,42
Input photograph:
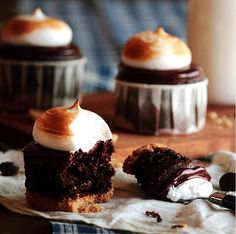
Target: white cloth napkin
126,210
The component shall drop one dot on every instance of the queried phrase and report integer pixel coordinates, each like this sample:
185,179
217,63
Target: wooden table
16,128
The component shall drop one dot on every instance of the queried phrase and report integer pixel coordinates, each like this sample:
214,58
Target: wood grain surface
16,130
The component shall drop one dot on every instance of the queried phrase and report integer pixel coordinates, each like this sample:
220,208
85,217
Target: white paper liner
41,84
161,109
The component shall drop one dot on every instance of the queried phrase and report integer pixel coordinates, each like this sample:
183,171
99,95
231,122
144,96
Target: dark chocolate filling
157,170
64,174
187,174
187,75
39,53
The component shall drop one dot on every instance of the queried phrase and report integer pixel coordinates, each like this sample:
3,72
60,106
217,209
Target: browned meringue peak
156,50
70,129
36,29
57,120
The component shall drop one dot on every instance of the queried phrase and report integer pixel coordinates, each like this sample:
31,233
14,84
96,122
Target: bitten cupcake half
67,166
158,88
163,173
40,65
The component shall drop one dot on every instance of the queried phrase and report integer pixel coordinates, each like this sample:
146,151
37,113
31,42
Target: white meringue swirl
190,189
156,50
37,30
70,129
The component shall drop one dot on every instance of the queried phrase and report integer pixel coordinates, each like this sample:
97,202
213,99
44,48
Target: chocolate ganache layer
187,75
161,168
68,174
39,53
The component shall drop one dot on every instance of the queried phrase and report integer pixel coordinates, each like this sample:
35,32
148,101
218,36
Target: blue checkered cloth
72,228
102,27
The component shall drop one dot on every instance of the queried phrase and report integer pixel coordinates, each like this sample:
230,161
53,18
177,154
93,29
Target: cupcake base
86,204
161,109
68,180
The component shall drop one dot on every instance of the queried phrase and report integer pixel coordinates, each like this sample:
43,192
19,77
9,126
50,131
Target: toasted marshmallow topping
70,129
37,30
156,50
190,189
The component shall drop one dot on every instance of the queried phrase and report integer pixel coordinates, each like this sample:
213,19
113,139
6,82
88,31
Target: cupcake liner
161,109
26,84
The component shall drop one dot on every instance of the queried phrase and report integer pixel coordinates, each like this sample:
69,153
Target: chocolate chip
180,225
154,214
227,182
9,168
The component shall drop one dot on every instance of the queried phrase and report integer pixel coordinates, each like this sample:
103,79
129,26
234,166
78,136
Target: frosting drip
190,173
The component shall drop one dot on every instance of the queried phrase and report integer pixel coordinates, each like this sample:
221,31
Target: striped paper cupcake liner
161,109
40,85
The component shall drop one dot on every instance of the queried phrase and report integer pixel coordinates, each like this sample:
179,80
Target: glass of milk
212,40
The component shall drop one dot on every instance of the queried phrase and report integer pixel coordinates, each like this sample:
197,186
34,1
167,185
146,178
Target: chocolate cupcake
158,88
163,173
67,166
40,66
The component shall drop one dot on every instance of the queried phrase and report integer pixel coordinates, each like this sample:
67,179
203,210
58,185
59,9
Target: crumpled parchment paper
126,209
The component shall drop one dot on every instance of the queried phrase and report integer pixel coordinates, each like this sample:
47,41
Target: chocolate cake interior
158,169
60,174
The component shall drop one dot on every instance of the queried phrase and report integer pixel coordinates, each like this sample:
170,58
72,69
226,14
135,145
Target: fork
219,198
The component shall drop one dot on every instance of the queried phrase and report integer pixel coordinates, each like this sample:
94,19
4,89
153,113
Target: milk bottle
212,40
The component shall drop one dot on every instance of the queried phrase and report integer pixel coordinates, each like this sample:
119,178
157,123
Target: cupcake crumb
213,115
221,121
180,225
154,214
115,137
228,123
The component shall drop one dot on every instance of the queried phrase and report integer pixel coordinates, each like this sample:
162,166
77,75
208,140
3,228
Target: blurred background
101,28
